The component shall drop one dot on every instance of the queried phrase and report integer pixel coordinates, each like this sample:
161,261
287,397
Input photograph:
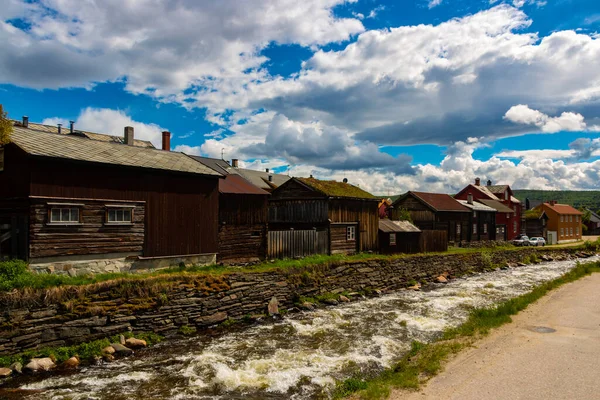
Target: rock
273,307
17,367
441,279
331,302
344,299
212,319
308,306
121,350
71,363
108,350
414,287
40,364
521,264
134,343
108,357
5,372
122,339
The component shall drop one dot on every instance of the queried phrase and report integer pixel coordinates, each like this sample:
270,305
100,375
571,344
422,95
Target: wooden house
242,215
593,225
435,211
509,217
482,222
343,217
398,237
266,180
70,198
536,223
564,222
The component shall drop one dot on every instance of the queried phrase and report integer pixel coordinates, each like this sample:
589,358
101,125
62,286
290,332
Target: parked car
521,240
537,241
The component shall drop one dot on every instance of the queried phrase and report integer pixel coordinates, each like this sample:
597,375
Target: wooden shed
398,237
345,215
242,215
435,211
70,197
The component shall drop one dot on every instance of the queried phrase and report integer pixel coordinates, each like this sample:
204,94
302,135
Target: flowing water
301,356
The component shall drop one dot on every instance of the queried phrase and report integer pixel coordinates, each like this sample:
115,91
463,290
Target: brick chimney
552,202
234,163
129,135
470,198
477,182
25,121
489,183
166,141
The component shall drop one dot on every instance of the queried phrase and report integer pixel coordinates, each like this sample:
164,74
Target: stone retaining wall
65,316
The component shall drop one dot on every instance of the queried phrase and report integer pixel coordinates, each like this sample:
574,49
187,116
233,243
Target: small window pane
74,215
392,239
127,215
111,215
119,217
65,215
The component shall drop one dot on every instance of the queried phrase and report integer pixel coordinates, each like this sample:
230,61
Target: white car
537,241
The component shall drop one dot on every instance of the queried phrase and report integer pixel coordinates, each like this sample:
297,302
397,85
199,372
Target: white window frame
562,218
506,195
577,231
475,229
514,226
393,239
458,229
120,211
507,215
350,233
68,214
571,230
577,218
562,232
474,214
484,228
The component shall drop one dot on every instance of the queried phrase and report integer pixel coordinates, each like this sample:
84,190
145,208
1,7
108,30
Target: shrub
12,271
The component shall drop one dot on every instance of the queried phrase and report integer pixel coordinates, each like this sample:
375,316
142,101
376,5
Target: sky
393,95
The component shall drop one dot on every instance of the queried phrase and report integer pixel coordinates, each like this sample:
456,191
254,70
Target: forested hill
576,198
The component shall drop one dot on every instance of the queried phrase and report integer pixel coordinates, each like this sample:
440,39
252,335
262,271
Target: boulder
40,364
71,363
108,357
414,287
441,279
308,306
121,350
122,339
5,372
17,367
331,302
108,350
273,307
344,299
134,343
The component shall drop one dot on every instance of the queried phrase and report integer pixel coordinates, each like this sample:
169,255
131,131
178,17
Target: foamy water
302,356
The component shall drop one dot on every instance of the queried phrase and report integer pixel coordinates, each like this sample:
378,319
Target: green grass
85,351
426,360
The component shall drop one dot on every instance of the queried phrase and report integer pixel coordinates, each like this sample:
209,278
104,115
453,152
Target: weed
187,330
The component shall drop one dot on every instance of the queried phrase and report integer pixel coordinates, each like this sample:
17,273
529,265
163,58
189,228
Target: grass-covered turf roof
337,189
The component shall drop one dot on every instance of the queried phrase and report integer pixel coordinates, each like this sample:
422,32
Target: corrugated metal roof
83,149
221,166
440,201
337,189
90,135
495,204
387,226
236,184
564,209
476,206
261,178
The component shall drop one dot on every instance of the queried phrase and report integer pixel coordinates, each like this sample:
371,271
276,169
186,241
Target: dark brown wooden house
482,223
435,211
398,237
242,215
344,218
536,223
71,198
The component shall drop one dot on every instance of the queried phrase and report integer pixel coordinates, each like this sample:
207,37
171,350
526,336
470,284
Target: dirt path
516,362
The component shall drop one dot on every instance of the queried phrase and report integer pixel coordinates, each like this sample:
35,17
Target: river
299,357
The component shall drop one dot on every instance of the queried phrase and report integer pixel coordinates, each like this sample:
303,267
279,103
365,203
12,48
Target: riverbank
424,361
550,350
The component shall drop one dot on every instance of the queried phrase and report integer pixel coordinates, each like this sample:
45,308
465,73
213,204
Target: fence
298,243
432,241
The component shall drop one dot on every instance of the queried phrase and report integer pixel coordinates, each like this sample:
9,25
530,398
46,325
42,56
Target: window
562,218
570,218
350,233
571,230
577,218
458,229
484,228
66,215
392,239
1,159
474,229
515,227
506,195
562,233
119,215
577,231
507,215
474,214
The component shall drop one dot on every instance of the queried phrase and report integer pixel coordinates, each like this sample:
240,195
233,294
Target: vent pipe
345,180
72,124
25,121
477,181
234,163
267,170
270,178
129,135
166,141
59,128
489,183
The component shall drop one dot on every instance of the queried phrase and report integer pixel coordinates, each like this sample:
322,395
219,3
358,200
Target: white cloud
434,3
112,122
567,121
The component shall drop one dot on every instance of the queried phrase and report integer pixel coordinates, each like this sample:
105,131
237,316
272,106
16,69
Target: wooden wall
339,239
406,242
298,211
181,209
365,212
433,241
14,180
93,236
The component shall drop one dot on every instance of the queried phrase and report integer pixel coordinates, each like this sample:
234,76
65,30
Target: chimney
129,135
345,180
234,163
267,170
270,178
72,123
166,141
477,181
59,128
25,121
552,202
489,183
470,198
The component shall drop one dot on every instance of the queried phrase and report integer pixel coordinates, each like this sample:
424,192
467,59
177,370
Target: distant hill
576,198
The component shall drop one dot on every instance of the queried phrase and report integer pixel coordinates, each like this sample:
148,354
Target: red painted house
501,198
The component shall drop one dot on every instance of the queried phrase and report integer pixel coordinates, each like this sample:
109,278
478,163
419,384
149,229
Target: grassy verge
425,360
85,351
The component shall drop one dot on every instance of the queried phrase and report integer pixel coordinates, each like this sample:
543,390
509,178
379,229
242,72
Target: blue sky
397,95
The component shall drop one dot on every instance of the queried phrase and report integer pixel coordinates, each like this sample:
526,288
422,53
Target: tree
404,215
6,127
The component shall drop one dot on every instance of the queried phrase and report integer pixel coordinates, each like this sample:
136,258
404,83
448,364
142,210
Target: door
13,237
